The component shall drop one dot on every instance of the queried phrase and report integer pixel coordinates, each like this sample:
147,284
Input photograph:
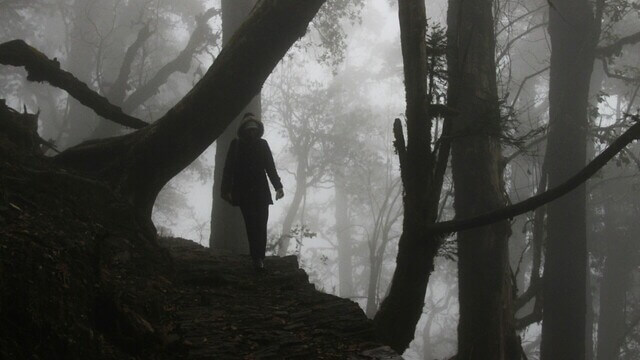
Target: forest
466,172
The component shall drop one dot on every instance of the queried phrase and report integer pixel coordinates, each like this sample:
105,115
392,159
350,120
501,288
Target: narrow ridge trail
223,309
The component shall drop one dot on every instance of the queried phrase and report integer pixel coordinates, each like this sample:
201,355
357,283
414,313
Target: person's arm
227,173
272,173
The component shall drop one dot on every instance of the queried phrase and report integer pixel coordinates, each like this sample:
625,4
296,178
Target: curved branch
40,68
633,133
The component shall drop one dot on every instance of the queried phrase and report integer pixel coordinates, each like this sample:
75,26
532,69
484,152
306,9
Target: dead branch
40,68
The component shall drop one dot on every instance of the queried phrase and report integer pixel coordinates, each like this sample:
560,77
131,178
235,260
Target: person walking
244,183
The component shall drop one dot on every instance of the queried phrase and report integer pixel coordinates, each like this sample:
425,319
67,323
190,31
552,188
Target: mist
380,132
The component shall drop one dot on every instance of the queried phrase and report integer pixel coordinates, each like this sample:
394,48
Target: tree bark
572,30
227,226
486,328
138,165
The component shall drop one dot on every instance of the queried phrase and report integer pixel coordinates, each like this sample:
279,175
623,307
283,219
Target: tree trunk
372,288
227,226
343,237
400,311
138,165
611,322
292,211
571,26
486,328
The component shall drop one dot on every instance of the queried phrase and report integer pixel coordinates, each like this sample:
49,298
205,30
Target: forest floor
83,277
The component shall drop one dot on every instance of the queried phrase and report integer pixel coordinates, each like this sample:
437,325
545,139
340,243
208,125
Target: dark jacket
248,163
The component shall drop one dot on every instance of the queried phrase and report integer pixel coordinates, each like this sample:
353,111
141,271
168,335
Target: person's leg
261,222
252,226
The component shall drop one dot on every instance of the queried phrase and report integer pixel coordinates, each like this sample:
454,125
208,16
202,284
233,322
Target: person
244,183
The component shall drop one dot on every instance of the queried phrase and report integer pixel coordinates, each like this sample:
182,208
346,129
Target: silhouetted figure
244,183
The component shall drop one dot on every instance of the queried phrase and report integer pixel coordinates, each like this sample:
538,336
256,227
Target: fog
330,106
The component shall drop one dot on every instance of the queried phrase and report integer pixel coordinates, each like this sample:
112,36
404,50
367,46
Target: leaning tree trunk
486,329
571,27
227,226
138,165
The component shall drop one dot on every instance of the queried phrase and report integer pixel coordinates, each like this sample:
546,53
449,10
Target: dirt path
224,310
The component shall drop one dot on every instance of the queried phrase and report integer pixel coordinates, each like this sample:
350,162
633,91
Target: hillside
82,277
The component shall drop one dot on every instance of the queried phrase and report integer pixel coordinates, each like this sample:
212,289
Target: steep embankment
81,277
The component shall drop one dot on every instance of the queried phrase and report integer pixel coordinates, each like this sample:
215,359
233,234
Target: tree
486,328
137,165
305,112
575,33
227,226
343,236
620,250
422,173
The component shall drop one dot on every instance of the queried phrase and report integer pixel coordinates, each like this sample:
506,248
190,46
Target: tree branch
40,68
633,133
181,63
119,88
527,78
513,21
524,149
507,47
534,317
616,47
605,67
